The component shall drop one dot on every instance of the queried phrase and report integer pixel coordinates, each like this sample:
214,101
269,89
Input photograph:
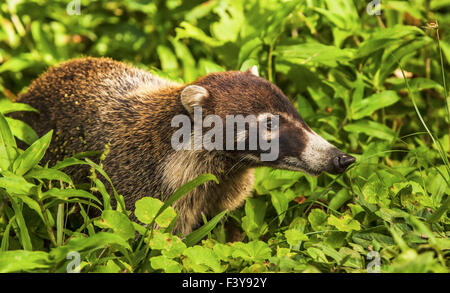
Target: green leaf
15,184
47,49
22,131
5,237
147,211
267,179
410,261
110,267
99,240
339,199
183,190
253,251
166,217
294,236
32,155
367,106
170,245
412,193
15,261
345,223
207,66
229,26
7,145
440,211
405,7
34,205
6,107
343,14
118,222
420,84
305,108
17,63
317,254
308,54
318,219
106,197
49,174
200,259
65,194
248,50
371,128
223,251
189,67
187,30
197,235
253,221
166,264
280,201
376,193
168,60
24,235
68,162
99,169
330,251
386,38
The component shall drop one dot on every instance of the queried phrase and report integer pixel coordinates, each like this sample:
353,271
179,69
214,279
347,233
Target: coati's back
80,96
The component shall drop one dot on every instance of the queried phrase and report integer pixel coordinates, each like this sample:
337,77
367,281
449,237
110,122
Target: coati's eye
272,123
269,123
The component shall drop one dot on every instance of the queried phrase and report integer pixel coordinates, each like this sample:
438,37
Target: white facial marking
315,156
316,151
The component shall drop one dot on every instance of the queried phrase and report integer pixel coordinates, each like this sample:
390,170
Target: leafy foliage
373,85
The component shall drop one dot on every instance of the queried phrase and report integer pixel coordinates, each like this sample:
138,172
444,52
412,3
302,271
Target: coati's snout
341,162
301,149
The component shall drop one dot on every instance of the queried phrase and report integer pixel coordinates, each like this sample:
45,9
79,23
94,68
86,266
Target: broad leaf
32,155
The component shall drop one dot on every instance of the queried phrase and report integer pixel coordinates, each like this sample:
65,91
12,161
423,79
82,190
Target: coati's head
233,93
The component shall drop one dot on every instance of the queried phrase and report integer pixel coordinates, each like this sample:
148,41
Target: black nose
341,162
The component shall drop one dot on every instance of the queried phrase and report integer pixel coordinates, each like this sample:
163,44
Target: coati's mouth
291,164
294,164
336,165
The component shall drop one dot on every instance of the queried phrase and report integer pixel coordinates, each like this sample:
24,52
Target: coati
90,102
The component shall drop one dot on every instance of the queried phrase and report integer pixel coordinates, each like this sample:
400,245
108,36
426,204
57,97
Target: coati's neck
235,184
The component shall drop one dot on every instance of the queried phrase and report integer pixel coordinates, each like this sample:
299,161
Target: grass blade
197,235
32,155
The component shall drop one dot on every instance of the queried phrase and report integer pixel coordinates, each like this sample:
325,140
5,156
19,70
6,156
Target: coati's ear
193,96
253,70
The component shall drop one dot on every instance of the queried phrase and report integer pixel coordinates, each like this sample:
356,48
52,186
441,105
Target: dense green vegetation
372,84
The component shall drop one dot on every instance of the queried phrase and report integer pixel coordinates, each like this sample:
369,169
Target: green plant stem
447,97
60,224
50,232
269,62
